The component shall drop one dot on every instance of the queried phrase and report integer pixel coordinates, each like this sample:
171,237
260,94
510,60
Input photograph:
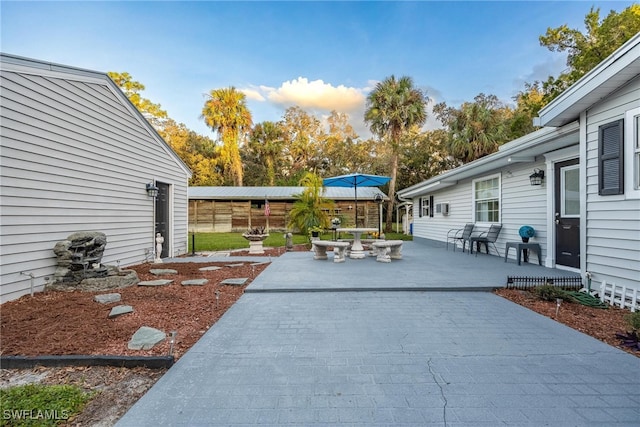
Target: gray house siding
521,205
76,156
436,227
613,222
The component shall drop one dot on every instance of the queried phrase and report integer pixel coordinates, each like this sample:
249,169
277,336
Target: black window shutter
420,207
611,158
431,207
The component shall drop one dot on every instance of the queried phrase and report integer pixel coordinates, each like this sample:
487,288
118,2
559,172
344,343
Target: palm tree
477,129
267,141
310,208
393,108
226,113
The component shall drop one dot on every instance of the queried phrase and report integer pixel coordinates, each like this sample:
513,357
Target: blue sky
319,55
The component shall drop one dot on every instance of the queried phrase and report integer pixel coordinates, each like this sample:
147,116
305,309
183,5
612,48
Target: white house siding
436,227
613,222
521,204
76,157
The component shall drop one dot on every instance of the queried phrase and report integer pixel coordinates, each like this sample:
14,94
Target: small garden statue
288,237
159,242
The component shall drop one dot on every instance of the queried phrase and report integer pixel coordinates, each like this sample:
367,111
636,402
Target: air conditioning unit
442,208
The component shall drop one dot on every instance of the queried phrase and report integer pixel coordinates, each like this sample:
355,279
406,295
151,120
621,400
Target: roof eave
522,150
614,72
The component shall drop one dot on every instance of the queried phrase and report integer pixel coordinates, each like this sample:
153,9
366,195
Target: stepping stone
159,282
119,310
195,282
235,282
107,298
211,268
235,265
162,271
145,338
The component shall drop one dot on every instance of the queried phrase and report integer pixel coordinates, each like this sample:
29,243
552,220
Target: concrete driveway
365,343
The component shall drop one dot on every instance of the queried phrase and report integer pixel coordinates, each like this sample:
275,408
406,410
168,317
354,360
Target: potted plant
256,236
526,232
310,208
315,231
335,223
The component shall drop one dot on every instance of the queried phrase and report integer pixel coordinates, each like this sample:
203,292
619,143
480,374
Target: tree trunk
392,193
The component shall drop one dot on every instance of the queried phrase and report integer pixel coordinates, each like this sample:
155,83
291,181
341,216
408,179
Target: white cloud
552,66
313,95
320,98
317,95
252,94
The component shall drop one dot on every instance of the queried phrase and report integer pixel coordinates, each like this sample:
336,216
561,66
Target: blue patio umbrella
355,180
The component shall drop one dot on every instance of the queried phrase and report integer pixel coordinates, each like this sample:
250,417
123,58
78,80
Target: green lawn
229,241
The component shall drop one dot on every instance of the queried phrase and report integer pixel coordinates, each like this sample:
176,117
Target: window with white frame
486,199
426,207
632,153
636,152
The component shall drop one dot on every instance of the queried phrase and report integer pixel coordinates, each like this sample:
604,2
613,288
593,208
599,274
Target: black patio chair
484,238
456,235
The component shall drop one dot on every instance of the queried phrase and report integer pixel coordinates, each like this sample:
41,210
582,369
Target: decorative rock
145,338
159,282
235,265
195,282
235,282
119,310
80,256
115,279
210,268
162,271
107,298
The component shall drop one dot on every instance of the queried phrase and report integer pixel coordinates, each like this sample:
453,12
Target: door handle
557,218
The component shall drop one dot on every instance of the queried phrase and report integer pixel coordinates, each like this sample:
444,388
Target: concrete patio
425,266
417,342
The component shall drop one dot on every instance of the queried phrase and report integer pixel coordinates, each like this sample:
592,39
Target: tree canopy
132,88
393,108
226,113
586,50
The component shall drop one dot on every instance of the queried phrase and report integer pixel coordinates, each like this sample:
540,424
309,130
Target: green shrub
551,293
633,320
41,405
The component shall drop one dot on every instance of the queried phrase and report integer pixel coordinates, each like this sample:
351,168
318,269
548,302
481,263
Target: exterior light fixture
152,190
536,177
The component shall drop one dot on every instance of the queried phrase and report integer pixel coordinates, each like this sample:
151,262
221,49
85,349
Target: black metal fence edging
24,362
526,282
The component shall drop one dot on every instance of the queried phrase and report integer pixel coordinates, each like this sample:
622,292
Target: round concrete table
357,251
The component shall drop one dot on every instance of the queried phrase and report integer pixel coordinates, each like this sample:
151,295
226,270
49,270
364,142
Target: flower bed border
25,362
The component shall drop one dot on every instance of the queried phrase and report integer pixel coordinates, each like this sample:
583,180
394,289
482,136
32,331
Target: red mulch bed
64,323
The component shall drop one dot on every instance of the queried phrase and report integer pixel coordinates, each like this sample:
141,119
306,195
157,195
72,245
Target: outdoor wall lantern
152,190
536,177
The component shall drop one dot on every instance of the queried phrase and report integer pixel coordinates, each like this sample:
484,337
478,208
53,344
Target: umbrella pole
356,188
